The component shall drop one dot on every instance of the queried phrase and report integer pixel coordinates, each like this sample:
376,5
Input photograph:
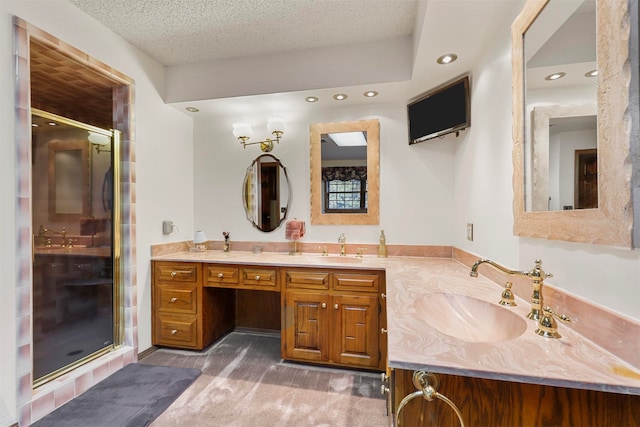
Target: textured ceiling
188,31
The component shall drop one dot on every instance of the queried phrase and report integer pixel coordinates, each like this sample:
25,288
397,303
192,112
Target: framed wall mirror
345,168
266,193
69,180
541,24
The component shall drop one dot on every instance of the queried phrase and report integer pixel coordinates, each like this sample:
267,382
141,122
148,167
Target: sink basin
341,259
469,319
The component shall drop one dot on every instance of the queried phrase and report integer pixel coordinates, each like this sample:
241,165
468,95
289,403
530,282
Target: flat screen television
439,112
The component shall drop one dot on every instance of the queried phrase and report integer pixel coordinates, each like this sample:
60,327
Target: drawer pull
383,331
257,277
174,331
174,299
220,275
324,305
383,295
335,306
175,273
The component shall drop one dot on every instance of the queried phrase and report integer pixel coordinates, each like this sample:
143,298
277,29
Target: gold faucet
342,241
537,276
44,239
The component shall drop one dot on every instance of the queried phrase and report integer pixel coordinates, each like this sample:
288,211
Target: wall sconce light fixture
99,141
276,125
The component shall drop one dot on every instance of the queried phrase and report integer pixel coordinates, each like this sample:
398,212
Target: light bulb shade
242,129
199,237
276,124
99,139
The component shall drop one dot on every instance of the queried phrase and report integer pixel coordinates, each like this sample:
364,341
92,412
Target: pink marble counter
414,343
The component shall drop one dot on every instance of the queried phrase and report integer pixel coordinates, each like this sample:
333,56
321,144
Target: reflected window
346,196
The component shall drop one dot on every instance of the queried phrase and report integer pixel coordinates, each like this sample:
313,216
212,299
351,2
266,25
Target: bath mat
132,397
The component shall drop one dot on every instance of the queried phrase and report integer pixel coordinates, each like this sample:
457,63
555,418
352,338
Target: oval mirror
266,193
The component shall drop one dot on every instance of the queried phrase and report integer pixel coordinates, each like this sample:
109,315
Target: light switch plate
470,231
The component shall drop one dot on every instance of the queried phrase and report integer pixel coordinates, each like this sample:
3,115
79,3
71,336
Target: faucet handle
507,297
547,326
324,250
359,252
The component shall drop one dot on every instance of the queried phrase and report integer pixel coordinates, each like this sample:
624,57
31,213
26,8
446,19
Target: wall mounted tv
439,112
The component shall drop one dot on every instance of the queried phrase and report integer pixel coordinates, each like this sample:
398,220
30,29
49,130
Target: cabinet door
355,330
306,329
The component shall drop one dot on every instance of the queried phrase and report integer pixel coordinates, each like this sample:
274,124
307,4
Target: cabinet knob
383,331
335,306
324,305
257,277
174,299
383,295
173,274
174,331
220,275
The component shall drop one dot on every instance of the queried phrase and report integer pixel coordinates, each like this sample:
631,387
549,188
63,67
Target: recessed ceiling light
592,73
311,99
192,109
340,96
370,93
52,124
555,76
447,58
35,125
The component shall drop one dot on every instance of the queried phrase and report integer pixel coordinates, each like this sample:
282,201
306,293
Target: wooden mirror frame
372,216
612,222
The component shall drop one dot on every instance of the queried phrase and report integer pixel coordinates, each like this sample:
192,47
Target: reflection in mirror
560,42
536,27
344,172
565,162
266,193
68,180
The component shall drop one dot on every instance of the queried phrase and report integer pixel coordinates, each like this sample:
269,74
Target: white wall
416,182
163,168
483,195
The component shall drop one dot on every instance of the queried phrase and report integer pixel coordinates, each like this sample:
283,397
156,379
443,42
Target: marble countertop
414,343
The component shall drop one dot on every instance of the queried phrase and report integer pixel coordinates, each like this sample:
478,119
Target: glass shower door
73,244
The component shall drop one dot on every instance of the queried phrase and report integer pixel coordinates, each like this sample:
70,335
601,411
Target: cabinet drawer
216,275
176,272
260,278
356,282
181,298
176,331
307,279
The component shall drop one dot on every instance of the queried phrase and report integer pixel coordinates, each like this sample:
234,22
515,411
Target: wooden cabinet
242,277
503,403
185,316
334,317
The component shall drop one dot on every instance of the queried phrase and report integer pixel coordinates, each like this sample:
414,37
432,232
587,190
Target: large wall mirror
345,166
556,44
266,192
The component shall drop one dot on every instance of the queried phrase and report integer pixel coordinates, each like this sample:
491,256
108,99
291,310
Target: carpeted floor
245,383
131,397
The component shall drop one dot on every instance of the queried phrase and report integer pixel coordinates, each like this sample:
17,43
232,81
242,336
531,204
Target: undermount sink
341,259
469,319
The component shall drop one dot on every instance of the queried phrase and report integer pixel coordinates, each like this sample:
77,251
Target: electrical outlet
167,227
470,231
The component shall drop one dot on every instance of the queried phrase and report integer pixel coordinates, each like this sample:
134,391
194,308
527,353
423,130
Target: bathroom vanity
329,316
379,314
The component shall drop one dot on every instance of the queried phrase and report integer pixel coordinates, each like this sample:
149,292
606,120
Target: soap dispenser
382,248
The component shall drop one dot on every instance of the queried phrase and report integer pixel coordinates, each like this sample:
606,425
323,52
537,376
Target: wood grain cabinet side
504,403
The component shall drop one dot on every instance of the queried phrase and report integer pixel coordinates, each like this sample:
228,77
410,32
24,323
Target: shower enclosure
75,220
